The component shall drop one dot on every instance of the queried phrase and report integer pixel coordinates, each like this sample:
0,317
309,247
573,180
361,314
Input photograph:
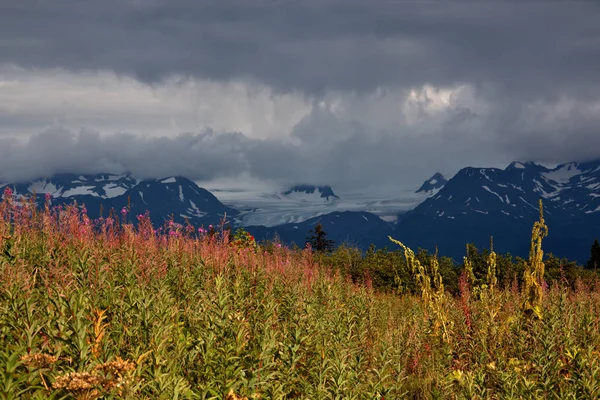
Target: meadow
111,309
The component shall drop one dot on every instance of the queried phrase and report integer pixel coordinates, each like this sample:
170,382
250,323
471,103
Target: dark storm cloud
524,47
532,64
349,158
325,149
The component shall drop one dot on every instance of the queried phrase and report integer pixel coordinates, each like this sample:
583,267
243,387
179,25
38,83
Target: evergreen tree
594,261
318,240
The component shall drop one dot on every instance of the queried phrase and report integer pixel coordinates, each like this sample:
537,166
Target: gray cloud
58,150
524,47
324,149
529,69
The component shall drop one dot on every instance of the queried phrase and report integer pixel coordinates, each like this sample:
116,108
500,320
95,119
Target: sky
354,94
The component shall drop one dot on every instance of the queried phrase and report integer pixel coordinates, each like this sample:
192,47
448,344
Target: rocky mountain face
310,193
481,202
432,185
175,197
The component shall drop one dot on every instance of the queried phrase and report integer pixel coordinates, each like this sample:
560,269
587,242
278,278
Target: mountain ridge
473,205
306,190
481,202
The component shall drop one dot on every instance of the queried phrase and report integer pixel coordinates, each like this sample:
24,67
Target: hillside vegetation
108,309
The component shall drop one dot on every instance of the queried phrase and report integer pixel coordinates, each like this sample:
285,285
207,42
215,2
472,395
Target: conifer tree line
318,239
386,268
594,261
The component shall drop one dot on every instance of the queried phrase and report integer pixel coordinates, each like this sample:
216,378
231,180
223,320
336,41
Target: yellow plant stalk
99,331
433,299
422,280
534,270
491,264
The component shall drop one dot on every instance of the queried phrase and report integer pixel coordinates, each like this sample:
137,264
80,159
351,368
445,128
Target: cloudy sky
350,93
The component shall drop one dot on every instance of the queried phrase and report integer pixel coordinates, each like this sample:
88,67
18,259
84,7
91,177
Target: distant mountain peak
522,165
436,182
516,165
322,191
175,179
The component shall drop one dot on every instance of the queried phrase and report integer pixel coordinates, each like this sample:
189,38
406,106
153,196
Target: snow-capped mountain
433,185
481,202
178,197
567,190
469,208
310,194
303,202
104,186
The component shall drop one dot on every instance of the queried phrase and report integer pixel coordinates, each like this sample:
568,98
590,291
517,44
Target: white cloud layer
60,121
31,99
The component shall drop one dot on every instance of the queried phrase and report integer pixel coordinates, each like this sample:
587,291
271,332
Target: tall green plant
433,297
533,277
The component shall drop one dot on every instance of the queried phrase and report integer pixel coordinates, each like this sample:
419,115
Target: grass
103,309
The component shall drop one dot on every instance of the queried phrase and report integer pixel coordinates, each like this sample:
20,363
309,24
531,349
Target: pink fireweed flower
124,211
48,197
8,192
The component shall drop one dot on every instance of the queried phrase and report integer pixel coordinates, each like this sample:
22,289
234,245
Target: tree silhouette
594,261
318,239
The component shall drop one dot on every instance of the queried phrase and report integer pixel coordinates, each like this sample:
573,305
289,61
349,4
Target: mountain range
478,203
471,207
173,197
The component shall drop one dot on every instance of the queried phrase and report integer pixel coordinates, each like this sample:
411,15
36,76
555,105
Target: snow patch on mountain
78,191
42,186
103,186
563,173
113,190
491,191
593,211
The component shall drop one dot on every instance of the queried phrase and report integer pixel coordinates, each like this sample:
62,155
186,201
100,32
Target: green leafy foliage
100,309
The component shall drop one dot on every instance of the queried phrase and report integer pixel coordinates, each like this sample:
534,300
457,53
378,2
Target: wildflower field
109,309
